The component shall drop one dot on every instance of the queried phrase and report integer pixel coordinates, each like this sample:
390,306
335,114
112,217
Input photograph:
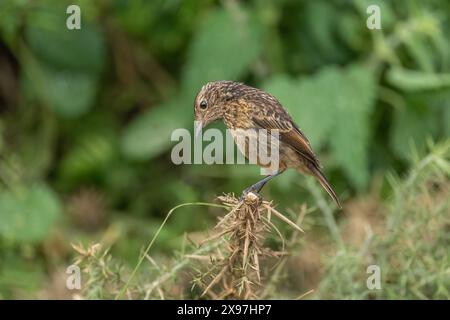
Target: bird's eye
203,104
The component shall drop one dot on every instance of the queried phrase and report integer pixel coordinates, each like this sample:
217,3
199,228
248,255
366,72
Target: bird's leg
256,188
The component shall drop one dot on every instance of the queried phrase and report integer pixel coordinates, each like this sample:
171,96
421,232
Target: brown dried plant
234,271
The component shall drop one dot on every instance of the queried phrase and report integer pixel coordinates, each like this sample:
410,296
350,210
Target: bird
242,107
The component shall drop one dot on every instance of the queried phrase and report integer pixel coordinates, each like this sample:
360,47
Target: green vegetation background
86,118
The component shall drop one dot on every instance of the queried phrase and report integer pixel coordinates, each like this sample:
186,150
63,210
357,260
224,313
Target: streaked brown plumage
244,107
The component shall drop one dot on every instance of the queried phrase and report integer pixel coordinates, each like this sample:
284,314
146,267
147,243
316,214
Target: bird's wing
289,133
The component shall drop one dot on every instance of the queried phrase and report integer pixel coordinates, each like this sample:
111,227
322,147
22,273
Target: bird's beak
198,126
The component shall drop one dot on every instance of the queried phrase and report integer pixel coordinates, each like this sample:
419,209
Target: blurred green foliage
86,115
411,251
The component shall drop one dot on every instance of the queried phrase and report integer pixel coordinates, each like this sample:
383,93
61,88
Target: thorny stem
147,250
237,273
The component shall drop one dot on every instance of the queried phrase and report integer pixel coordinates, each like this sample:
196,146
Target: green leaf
446,121
319,44
333,105
421,51
224,48
91,156
10,20
28,214
70,94
310,101
149,134
388,14
411,80
19,274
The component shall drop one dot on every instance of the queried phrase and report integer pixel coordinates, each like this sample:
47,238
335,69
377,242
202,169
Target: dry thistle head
235,271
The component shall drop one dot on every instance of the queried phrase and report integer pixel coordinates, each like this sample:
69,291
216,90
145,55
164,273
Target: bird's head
210,102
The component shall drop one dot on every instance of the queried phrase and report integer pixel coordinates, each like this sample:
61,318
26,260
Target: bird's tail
317,173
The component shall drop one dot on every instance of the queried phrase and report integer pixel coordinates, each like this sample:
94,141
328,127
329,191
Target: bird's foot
250,196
